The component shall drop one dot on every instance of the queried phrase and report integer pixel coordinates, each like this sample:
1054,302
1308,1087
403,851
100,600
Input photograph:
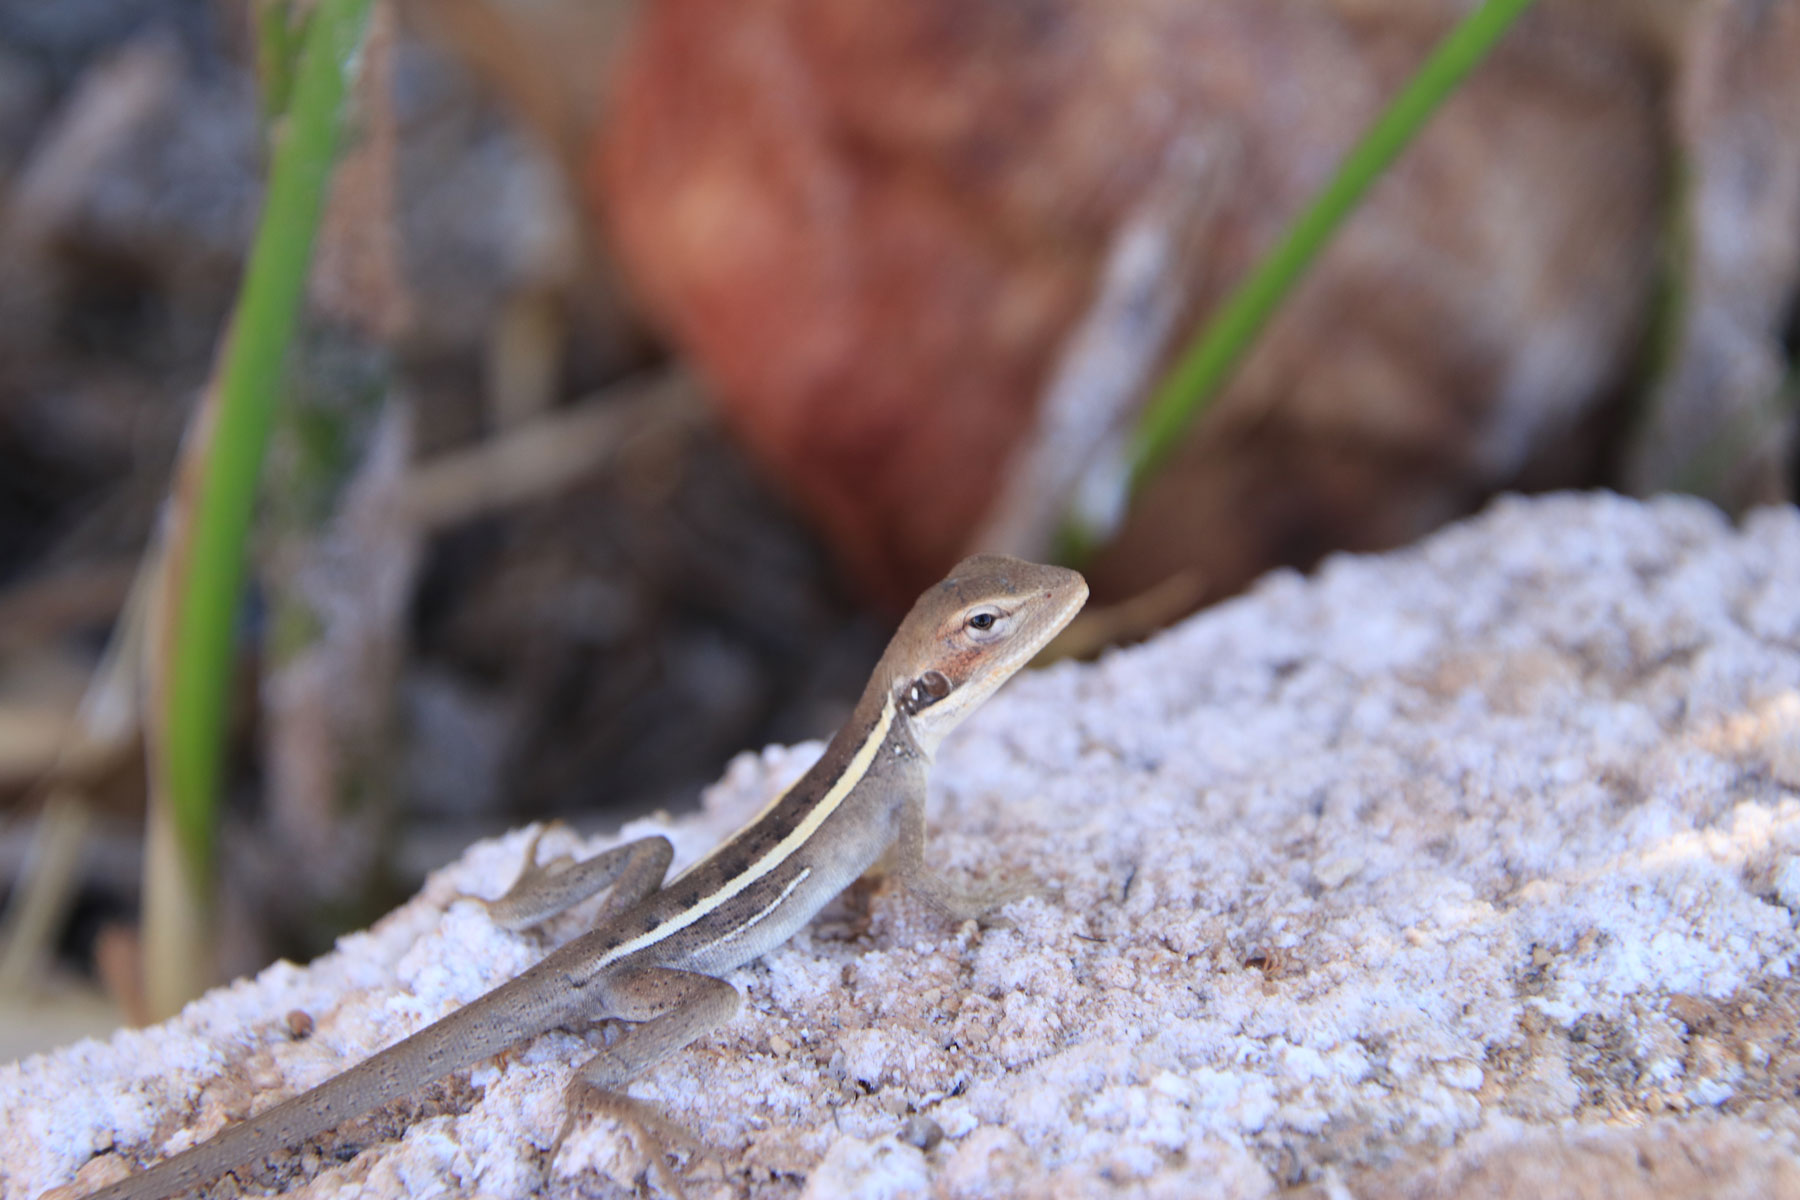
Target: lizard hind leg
670,1009
655,1136
541,891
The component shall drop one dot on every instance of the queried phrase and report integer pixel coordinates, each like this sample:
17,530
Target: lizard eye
984,624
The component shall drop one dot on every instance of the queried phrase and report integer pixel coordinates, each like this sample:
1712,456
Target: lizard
656,953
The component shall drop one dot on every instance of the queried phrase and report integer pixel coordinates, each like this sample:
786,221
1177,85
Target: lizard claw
980,902
538,892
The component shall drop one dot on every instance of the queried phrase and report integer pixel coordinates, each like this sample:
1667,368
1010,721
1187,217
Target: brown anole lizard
656,955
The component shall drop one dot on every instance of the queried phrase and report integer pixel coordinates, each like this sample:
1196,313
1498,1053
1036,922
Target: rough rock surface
1468,870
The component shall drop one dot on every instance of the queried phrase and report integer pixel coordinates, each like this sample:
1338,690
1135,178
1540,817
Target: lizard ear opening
924,692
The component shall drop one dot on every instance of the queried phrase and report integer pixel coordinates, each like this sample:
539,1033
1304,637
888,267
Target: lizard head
967,635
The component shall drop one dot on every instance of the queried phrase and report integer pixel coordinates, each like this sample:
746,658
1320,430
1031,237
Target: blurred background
652,355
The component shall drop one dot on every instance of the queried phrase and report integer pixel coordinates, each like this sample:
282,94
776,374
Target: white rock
1427,873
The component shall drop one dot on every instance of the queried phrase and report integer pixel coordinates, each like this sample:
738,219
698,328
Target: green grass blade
212,575
1196,378
273,25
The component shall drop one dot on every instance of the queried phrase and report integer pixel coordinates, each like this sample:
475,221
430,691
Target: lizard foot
533,879
542,890
655,1137
971,902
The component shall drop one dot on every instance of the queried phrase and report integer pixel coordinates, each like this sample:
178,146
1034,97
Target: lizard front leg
633,870
669,1009
960,902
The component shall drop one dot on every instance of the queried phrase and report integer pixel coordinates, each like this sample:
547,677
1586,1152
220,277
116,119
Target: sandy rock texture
1469,870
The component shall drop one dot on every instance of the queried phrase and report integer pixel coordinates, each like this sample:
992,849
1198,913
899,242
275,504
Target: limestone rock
1466,870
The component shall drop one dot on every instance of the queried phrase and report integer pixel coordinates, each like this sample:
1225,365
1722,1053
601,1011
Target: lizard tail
512,1012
